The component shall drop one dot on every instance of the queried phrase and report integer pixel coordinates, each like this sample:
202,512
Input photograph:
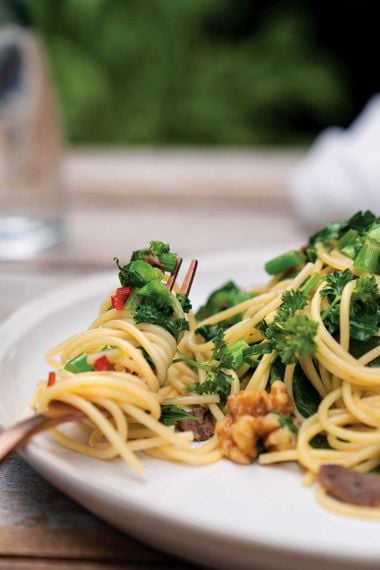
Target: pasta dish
283,373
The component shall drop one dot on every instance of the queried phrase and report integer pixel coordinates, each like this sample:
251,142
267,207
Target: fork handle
18,434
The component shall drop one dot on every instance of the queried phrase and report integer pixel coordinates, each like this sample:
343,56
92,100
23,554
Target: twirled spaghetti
122,395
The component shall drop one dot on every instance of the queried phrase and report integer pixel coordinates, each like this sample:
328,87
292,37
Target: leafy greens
149,300
290,333
225,297
365,304
170,414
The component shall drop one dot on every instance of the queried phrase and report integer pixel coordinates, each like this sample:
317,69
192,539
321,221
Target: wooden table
200,202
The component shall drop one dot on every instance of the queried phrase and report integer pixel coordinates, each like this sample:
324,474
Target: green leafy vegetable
358,348
319,441
328,233
210,331
358,238
359,222
333,289
292,334
293,338
365,309
157,254
149,312
221,353
137,273
184,302
311,253
157,290
277,372
148,358
150,301
366,290
218,379
365,304
335,283
306,397
237,352
216,382
222,361
170,414
225,297
292,300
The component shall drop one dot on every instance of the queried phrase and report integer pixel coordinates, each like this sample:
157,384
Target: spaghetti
287,373
334,381
115,372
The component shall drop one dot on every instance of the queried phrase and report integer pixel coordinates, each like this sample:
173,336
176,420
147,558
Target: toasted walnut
251,421
280,439
259,403
248,403
237,440
280,399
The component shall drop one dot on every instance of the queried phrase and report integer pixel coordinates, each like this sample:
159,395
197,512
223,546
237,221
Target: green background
190,71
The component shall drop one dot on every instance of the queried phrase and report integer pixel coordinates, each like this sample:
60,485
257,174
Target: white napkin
341,173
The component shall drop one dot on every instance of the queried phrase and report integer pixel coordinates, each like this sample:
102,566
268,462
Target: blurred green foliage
187,71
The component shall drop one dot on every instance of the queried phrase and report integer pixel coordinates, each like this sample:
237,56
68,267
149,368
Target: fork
59,413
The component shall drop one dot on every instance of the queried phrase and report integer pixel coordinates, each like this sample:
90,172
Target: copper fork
59,413
19,433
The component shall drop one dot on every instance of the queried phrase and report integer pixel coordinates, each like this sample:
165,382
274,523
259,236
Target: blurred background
158,103
221,72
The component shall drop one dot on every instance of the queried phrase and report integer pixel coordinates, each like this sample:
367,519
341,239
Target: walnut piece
252,420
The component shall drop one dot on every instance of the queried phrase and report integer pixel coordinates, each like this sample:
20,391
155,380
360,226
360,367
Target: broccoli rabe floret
225,297
157,254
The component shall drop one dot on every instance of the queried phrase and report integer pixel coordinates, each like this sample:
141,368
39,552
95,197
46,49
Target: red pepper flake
119,298
117,302
124,291
51,379
102,363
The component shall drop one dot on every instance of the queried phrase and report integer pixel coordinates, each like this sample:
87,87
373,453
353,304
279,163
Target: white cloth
341,173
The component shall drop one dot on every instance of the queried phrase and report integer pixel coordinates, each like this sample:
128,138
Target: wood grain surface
200,202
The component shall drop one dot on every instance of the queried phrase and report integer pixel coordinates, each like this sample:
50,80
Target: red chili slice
117,302
101,363
124,291
119,298
51,379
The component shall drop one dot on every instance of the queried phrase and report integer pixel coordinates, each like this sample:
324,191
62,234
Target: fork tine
174,273
189,277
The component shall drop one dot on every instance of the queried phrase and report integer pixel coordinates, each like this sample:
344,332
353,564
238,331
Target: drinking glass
31,196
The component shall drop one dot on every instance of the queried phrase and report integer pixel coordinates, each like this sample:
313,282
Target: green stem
284,262
330,308
311,284
368,257
193,363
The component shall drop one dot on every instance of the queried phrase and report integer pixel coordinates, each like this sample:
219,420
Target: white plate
224,514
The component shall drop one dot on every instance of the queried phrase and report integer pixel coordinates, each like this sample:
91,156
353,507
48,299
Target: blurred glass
31,199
